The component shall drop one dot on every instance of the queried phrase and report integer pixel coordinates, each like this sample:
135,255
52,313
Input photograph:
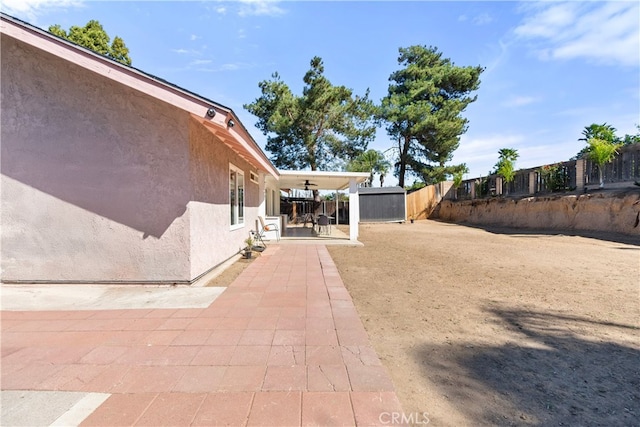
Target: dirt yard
498,328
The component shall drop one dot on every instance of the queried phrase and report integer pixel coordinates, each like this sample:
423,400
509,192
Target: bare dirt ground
482,327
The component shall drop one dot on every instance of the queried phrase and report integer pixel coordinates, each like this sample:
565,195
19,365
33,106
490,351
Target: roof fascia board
325,173
231,138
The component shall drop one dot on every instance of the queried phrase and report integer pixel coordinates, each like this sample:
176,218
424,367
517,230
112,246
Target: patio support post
337,207
354,209
262,203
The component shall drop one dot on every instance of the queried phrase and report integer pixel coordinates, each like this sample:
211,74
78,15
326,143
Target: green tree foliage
321,129
371,161
605,132
94,37
601,152
423,111
555,177
506,164
632,139
457,177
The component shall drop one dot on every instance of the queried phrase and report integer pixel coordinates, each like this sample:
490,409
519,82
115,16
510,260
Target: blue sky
552,68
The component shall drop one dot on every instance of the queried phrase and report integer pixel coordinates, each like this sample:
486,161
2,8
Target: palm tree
506,164
601,152
457,177
603,131
371,161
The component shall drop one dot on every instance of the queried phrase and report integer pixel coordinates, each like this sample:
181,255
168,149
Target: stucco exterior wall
95,176
211,237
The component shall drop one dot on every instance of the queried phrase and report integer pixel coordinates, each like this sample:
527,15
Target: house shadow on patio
564,370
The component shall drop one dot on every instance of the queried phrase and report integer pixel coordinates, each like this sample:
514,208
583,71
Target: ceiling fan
307,184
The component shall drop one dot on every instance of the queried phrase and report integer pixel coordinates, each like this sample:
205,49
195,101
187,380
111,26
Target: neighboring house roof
236,136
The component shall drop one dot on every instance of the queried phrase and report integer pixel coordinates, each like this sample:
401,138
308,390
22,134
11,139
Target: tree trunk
601,175
404,151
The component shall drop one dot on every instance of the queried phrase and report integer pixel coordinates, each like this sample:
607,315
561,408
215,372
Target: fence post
498,189
532,183
580,168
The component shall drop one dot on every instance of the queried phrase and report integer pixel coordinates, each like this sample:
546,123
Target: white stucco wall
101,183
212,240
94,176
95,182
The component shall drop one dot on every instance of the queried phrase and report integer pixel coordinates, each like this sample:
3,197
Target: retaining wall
607,211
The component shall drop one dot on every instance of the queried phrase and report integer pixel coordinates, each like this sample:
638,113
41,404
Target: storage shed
383,204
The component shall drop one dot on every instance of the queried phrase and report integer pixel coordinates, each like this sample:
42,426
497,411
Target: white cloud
31,8
221,10
201,62
481,153
225,67
600,32
548,22
190,52
194,37
482,19
519,101
260,7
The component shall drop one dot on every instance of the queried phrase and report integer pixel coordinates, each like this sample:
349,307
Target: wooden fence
422,203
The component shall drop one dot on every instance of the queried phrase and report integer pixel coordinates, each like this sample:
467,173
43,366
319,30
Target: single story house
111,175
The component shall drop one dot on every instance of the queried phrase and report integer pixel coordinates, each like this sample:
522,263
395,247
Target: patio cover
334,181
323,180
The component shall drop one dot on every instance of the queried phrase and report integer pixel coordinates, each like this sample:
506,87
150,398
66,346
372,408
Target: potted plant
247,250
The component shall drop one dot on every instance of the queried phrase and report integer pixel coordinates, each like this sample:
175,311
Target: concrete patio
282,346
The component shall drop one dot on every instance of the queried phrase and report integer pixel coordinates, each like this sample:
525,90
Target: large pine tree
323,128
423,111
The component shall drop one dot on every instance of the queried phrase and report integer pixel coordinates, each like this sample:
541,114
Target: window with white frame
236,196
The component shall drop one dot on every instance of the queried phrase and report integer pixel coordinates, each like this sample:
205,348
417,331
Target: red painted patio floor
282,346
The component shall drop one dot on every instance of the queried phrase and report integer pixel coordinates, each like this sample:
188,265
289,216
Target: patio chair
267,227
309,217
324,224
